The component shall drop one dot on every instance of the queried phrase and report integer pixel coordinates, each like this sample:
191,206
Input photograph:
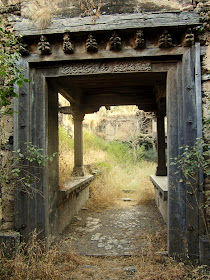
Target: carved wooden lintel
67,44
139,41
77,68
165,40
91,44
115,42
189,39
23,48
44,45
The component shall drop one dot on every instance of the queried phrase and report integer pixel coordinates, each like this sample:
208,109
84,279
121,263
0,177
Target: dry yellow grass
116,176
66,164
107,189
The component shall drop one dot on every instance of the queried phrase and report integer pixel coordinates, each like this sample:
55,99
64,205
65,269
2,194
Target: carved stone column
161,156
78,145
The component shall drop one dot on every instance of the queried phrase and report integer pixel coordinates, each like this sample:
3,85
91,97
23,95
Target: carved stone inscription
106,67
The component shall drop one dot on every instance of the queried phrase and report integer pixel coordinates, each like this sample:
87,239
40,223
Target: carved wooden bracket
44,45
67,44
115,42
189,39
91,44
139,41
165,40
23,48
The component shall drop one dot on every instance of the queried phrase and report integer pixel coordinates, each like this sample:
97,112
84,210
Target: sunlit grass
115,165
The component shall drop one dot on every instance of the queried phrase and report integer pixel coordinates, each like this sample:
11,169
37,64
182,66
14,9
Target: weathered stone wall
72,8
6,131
204,9
123,127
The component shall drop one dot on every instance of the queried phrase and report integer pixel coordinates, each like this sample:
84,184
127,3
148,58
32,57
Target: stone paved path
113,232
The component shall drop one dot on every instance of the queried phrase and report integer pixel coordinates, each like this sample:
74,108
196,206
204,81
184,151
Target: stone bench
161,194
72,197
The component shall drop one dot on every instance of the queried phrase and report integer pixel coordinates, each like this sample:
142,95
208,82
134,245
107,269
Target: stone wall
72,8
123,127
6,132
204,10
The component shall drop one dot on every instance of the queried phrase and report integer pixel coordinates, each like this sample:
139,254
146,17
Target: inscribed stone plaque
78,68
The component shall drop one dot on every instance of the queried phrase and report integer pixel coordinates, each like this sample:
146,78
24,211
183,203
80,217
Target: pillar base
161,171
78,171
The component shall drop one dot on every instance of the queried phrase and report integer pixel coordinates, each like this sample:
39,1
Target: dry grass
66,156
32,261
116,174
107,189
60,263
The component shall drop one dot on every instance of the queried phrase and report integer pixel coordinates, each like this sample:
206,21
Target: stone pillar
161,157
78,145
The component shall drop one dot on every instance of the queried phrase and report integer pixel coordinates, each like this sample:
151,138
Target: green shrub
65,138
92,141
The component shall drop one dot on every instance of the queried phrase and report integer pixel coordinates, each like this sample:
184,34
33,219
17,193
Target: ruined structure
113,63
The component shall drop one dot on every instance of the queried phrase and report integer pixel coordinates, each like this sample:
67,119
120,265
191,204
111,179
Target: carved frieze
44,45
115,42
76,68
91,44
165,40
139,41
23,48
67,44
189,39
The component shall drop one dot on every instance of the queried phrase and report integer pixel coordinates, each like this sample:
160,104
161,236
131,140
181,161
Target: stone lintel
26,27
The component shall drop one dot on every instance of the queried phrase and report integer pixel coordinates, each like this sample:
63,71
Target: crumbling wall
6,132
123,127
203,8
76,8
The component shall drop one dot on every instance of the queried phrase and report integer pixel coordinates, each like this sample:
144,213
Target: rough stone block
204,248
9,242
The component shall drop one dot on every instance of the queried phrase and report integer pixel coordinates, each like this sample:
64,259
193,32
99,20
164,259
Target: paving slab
113,232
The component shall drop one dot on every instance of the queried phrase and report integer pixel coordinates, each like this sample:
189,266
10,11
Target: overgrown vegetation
116,168
33,262
14,172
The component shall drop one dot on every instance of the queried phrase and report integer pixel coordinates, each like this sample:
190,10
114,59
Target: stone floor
113,232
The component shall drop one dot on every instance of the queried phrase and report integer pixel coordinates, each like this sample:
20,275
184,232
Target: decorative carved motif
189,39
23,48
106,67
91,44
165,40
67,44
44,45
139,42
115,42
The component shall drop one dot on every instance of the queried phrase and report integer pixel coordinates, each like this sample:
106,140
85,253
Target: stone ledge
74,186
160,183
204,250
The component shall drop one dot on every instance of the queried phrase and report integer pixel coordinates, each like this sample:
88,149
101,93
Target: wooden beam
106,54
111,100
26,27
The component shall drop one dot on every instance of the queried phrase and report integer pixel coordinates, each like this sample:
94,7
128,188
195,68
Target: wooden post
78,145
184,124
161,157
